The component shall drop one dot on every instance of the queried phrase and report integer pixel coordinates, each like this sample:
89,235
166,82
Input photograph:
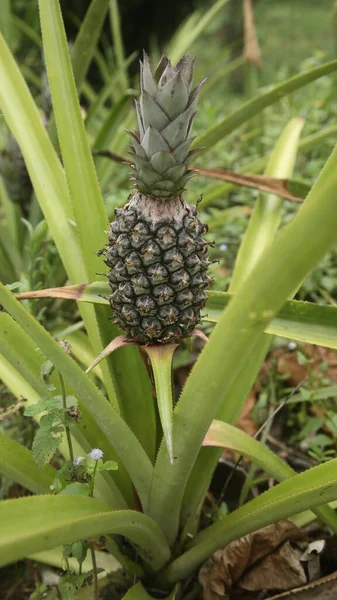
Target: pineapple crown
161,148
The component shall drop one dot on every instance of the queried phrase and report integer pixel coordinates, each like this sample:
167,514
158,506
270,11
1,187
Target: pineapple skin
158,268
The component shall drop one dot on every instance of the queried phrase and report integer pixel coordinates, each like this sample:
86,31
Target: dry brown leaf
324,588
278,571
247,563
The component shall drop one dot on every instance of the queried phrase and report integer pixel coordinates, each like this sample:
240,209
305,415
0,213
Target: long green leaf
54,558
5,20
254,106
65,518
87,39
13,217
297,320
118,43
47,176
267,212
85,195
303,491
301,321
86,198
258,238
239,332
113,426
181,43
223,435
17,462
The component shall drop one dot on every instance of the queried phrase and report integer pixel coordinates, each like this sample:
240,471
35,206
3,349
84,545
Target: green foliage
46,441
128,466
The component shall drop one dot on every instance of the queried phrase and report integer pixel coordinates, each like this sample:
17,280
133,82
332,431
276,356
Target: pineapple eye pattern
156,254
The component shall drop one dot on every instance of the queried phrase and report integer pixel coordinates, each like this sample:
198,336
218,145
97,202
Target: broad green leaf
254,106
106,418
17,462
65,518
300,492
223,435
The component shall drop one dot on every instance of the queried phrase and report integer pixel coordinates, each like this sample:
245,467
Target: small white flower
78,460
96,454
292,345
223,247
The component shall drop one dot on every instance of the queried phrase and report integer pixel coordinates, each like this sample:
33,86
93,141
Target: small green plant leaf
47,421
46,371
45,404
46,442
76,489
109,465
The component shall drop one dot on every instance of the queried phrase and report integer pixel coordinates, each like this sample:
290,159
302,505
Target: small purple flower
78,460
96,454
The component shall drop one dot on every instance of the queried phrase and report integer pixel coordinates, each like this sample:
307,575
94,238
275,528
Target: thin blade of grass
116,31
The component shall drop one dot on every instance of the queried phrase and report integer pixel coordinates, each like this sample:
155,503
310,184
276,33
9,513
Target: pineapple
156,254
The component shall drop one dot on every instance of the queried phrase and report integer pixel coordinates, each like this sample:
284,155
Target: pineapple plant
156,253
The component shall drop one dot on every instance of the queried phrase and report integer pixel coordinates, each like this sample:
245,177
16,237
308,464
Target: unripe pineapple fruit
156,254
